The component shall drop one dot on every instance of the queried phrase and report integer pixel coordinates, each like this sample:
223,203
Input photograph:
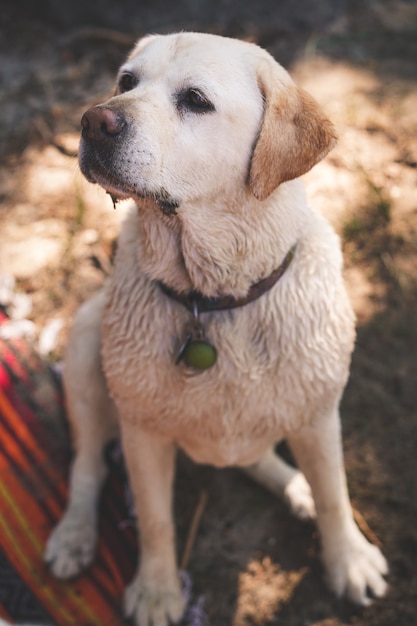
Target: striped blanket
34,462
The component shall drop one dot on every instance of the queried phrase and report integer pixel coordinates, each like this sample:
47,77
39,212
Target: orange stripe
23,559
33,486
115,579
14,450
71,604
112,582
18,425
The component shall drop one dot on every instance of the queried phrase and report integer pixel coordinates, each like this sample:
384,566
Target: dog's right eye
127,82
195,101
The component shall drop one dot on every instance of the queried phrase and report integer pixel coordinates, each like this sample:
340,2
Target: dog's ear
295,134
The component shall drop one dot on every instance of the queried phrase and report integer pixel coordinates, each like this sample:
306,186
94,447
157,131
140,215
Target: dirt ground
255,565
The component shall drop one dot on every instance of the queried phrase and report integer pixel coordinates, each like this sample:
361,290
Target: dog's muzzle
104,132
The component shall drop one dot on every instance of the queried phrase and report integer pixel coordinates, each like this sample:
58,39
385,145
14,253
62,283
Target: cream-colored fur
208,135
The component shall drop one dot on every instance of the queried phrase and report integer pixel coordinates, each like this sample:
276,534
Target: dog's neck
197,303
225,248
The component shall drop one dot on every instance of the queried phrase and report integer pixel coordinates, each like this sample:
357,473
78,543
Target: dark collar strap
195,299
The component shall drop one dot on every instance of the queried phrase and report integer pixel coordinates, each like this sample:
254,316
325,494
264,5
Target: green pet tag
196,351
199,354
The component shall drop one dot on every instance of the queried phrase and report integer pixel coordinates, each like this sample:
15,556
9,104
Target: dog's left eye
194,100
127,82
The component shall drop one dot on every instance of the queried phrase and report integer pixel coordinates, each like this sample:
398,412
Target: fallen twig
367,531
195,522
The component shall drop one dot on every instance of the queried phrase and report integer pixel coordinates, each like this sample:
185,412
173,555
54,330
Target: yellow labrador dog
226,325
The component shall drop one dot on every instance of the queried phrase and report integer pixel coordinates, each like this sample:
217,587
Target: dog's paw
71,546
299,497
152,606
356,569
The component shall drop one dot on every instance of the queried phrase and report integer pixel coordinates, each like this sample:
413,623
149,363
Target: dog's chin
120,190
103,178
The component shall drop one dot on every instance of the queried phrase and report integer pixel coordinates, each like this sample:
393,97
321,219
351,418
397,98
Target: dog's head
195,116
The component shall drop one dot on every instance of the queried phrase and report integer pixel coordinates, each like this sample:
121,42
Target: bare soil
253,562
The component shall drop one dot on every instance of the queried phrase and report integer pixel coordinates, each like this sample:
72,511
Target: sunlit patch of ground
263,589
366,186
56,232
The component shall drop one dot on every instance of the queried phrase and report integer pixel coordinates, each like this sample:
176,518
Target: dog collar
195,350
204,304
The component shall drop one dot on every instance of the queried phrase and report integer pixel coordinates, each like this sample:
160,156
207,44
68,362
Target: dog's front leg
353,565
72,544
154,597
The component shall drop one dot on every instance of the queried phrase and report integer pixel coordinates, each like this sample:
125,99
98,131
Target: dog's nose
101,123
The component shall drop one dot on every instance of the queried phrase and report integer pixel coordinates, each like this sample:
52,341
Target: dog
226,326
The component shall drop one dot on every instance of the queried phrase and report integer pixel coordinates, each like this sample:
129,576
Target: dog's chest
275,369
224,415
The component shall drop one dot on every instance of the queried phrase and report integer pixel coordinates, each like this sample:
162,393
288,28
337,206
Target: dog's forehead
194,54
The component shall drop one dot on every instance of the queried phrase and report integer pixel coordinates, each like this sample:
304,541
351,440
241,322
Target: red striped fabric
34,462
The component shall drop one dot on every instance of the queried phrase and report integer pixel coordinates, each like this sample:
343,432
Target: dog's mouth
99,173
